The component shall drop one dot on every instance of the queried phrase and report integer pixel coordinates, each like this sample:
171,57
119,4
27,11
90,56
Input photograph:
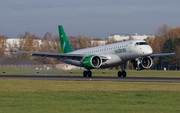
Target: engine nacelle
92,61
142,63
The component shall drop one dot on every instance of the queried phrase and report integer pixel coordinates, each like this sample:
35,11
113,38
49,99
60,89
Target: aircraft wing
162,54
59,56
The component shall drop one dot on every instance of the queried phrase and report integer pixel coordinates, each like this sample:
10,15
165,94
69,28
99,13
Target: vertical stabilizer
65,45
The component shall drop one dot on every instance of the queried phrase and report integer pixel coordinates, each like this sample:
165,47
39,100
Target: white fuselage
118,53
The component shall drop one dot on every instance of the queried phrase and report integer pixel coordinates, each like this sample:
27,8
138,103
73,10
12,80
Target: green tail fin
65,45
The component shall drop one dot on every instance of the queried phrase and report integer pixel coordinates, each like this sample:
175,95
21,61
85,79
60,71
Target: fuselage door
130,50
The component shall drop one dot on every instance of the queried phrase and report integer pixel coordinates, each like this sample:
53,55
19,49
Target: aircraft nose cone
148,51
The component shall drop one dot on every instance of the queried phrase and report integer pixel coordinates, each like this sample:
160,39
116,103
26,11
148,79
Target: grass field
130,73
47,96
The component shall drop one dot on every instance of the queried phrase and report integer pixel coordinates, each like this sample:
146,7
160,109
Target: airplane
139,52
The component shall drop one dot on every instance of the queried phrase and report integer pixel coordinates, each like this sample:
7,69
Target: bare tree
29,42
50,43
73,41
111,40
83,42
13,46
3,45
96,42
162,30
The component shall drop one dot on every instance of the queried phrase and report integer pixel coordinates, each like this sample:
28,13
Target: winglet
65,45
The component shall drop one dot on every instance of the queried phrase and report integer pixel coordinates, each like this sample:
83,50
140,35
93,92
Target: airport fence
30,67
40,67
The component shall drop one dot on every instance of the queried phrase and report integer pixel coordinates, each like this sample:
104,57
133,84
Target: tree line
166,39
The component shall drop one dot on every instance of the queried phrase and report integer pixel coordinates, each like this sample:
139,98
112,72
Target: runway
95,78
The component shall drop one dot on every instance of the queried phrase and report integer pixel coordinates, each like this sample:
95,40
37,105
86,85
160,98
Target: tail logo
64,45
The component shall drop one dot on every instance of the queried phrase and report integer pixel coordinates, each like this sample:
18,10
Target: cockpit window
141,43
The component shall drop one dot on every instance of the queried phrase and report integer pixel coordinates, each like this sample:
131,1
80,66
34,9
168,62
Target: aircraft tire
119,73
124,73
89,74
85,73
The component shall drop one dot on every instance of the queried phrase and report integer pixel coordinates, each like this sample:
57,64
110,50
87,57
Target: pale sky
92,18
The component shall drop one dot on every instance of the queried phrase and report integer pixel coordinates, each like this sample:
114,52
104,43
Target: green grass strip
46,96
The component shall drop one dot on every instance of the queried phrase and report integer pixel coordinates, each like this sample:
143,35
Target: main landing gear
122,73
87,73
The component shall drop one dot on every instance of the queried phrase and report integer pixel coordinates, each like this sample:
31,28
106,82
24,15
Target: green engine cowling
142,63
92,61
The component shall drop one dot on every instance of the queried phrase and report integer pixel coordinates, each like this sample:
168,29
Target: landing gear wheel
87,73
122,73
119,73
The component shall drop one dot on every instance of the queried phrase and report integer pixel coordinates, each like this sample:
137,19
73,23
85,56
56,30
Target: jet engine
91,62
142,63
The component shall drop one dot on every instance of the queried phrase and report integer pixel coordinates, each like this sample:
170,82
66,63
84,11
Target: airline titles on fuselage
123,50
116,49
